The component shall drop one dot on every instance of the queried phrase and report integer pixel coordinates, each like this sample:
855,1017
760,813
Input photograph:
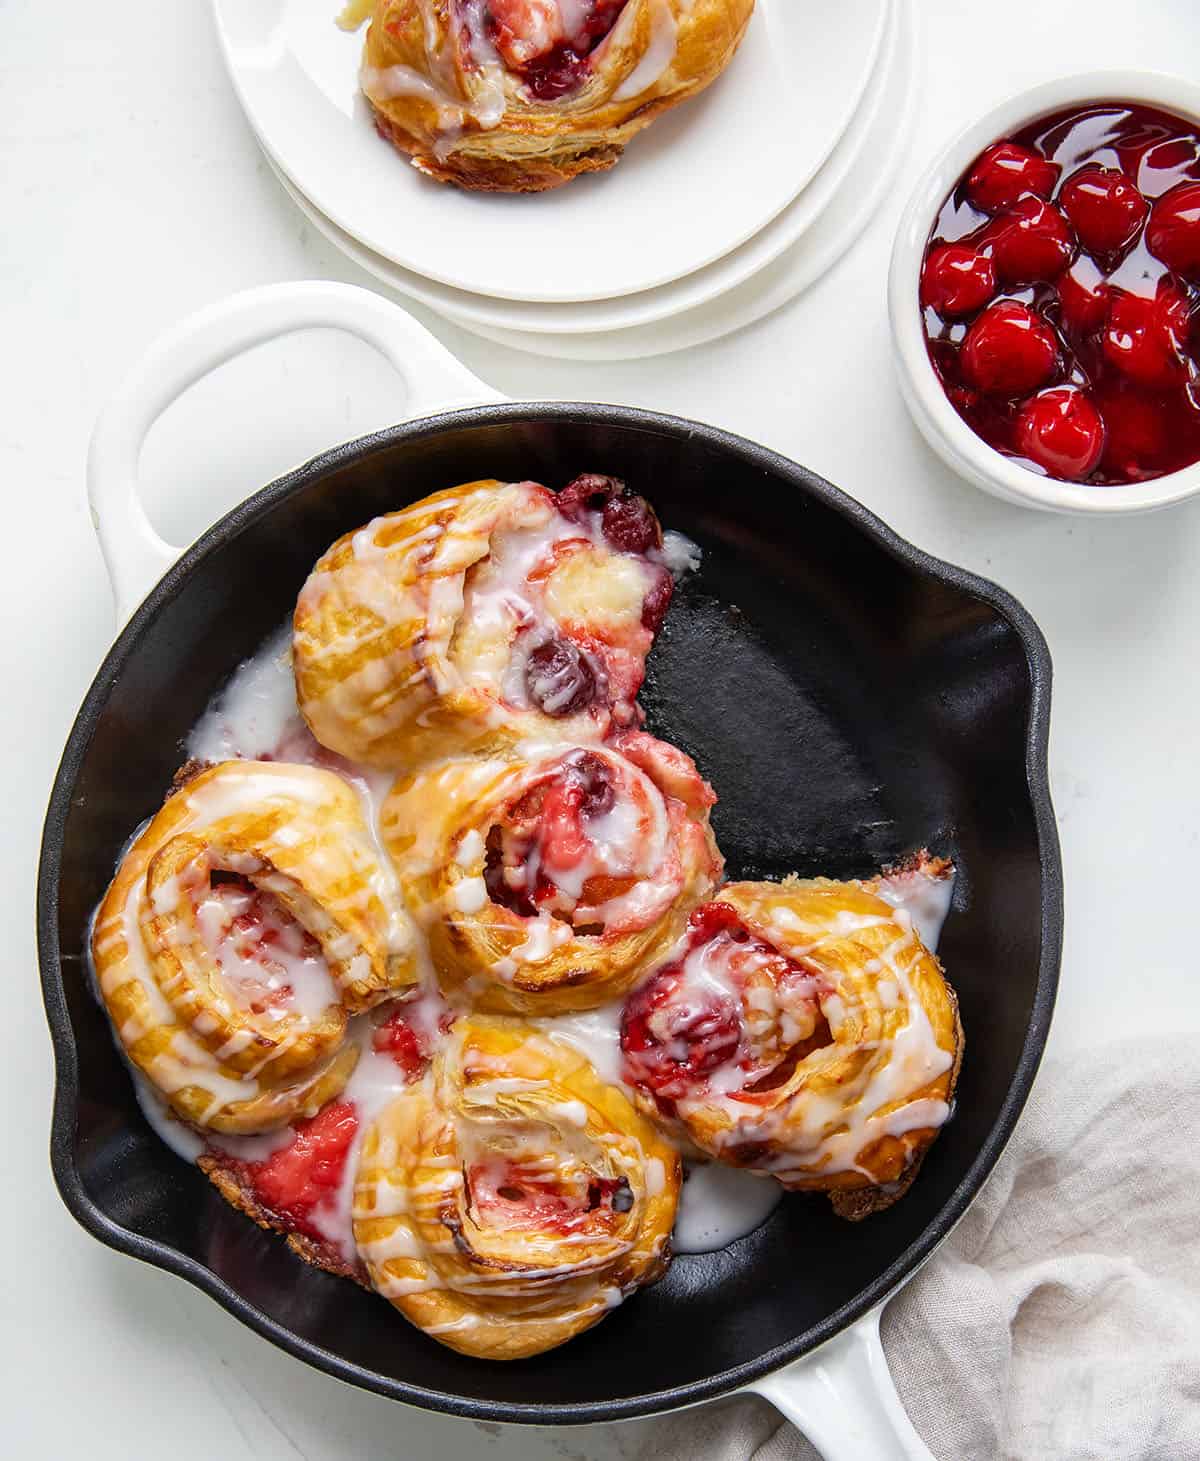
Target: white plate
593,316
701,181
821,247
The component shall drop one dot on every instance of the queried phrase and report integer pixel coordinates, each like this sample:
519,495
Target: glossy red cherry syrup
1060,293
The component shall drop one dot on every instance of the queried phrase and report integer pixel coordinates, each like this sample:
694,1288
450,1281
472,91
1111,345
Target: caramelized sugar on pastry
801,1030
483,614
550,882
512,1199
246,923
523,95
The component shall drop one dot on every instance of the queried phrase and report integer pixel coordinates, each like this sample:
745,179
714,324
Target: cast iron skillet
851,699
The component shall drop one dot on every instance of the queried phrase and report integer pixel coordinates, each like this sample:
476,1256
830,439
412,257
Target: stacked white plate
719,213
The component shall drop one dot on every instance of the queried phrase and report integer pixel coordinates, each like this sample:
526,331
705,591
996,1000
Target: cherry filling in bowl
269,963
566,850
549,43
560,615
1060,290
729,1015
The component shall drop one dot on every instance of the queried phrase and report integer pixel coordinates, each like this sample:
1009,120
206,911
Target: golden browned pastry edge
499,174
223,1172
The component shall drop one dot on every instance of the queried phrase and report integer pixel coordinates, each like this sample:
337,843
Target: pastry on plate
801,1030
512,1199
245,925
480,616
550,882
518,96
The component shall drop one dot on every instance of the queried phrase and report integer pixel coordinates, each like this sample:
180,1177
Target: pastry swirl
549,882
245,924
801,1030
524,95
512,1199
479,616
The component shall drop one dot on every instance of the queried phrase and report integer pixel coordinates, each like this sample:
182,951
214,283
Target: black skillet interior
849,698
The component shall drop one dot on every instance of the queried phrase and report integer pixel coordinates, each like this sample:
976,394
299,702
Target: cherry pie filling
300,1179
728,1016
1060,292
400,1039
537,1193
270,965
549,44
561,849
560,615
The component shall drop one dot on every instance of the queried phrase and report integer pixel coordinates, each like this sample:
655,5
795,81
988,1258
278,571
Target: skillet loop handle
843,1399
134,554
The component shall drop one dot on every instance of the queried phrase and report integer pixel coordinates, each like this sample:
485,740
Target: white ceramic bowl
945,431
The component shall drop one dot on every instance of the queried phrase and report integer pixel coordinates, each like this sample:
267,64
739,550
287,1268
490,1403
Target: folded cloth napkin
1061,1319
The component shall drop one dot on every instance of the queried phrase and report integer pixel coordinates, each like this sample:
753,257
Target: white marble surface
134,193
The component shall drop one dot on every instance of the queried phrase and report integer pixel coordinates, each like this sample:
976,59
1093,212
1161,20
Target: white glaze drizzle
658,56
718,1205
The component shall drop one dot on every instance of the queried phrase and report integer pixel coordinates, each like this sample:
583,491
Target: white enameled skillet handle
842,1398
135,555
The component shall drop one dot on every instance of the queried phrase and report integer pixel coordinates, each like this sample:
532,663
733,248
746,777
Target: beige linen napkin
1060,1321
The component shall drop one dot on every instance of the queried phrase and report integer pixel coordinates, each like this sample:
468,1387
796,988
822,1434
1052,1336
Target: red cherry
657,601
1006,172
1105,208
1031,241
956,280
1083,303
1137,436
629,523
1061,431
558,678
1009,350
1173,233
1144,338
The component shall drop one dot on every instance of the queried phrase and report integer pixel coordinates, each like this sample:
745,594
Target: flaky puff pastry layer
223,1059
513,1199
397,662
847,1050
451,105
653,859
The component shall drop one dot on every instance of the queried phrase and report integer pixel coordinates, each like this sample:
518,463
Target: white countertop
134,193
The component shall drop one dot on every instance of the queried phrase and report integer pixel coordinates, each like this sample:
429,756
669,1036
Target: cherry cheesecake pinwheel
802,1030
549,882
246,923
524,95
512,1199
482,615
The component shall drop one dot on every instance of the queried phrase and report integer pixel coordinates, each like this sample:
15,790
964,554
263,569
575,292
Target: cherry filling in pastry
568,848
1061,289
270,965
728,1014
553,1193
302,1178
549,43
399,1039
561,613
